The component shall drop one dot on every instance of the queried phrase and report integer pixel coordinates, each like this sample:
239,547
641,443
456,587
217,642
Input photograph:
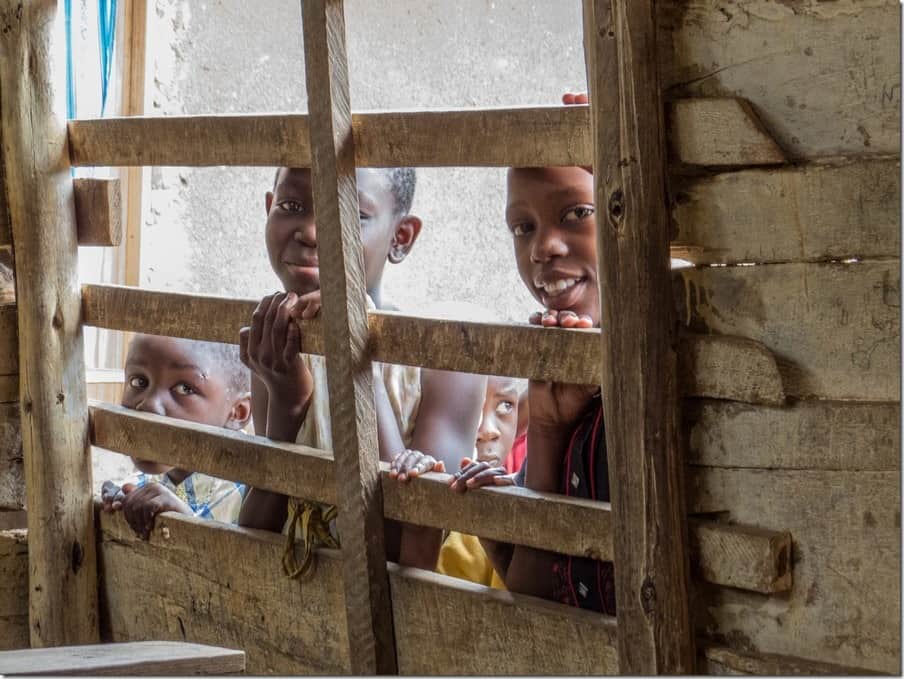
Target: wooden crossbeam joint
98,211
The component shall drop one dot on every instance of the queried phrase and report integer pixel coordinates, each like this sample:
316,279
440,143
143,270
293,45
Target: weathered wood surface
640,398
833,69
9,339
13,589
716,132
834,328
722,661
353,421
98,211
294,470
809,213
9,388
819,435
741,556
448,626
38,190
139,658
519,137
844,605
12,473
231,592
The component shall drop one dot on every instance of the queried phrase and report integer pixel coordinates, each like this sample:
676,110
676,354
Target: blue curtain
106,31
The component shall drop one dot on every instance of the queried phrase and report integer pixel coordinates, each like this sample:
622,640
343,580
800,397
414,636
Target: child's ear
407,231
240,414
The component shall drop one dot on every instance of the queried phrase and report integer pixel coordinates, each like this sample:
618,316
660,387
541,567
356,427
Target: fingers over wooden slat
280,467
98,211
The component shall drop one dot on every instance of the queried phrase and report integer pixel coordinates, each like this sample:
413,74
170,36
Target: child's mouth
560,290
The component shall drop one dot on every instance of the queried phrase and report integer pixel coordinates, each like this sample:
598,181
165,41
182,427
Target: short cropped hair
402,182
225,358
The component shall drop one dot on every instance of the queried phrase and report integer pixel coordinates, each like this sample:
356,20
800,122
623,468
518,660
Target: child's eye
522,229
292,206
184,389
578,213
505,407
138,382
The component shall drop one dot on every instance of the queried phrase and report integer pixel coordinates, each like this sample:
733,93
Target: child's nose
152,403
306,233
488,430
548,244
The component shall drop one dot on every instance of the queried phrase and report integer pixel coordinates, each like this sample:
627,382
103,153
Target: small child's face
550,213
291,232
499,421
165,376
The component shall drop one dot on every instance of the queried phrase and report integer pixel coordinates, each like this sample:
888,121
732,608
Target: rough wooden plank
13,589
746,557
733,368
98,211
720,132
810,213
38,188
231,592
12,473
834,328
844,605
294,470
353,421
140,658
9,388
9,339
806,435
719,660
640,397
824,77
448,626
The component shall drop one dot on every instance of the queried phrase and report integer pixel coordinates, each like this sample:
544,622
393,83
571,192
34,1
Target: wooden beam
512,137
640,399
12,472
711,366
98,211
353,421
723,660
139,658
13,589
38,191
285,468
9,340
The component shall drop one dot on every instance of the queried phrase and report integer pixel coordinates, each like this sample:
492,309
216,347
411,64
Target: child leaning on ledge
202,382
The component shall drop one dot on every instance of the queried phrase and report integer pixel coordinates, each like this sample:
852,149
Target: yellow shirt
463,557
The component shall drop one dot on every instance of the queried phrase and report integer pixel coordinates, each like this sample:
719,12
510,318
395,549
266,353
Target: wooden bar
641,397
721,660
293,470
353,421
505,137
98,211
38,191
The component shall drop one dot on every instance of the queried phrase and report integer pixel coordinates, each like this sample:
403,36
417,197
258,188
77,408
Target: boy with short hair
202,382
434,412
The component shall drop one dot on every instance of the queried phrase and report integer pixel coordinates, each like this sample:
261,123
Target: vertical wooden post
640,395
61,547
354,428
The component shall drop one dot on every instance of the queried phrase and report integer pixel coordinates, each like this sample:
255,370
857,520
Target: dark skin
282,386
171,377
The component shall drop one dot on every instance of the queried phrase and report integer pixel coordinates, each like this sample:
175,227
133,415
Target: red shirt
516,457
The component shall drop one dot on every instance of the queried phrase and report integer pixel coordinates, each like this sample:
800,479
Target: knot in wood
648,595
78,556
616,206
57,320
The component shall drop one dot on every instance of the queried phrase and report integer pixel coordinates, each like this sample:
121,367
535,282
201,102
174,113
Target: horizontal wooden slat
98,210
143,658
281,467
518,137
449,626
13,589
717,367
810,213
720,660
515,515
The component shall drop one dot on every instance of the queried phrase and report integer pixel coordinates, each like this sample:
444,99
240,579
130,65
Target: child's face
499,421
167,376
550,213
291,232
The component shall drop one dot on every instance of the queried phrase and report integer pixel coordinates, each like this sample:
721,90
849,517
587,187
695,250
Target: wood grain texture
720,132
719,660
9,388
342,279
641,397
13,589
509,137
9,339
98,211
844,605
140,658
819,435
230,592
293,470
712,366
448,626
815,212
62,578
834,328
12,472
824,78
